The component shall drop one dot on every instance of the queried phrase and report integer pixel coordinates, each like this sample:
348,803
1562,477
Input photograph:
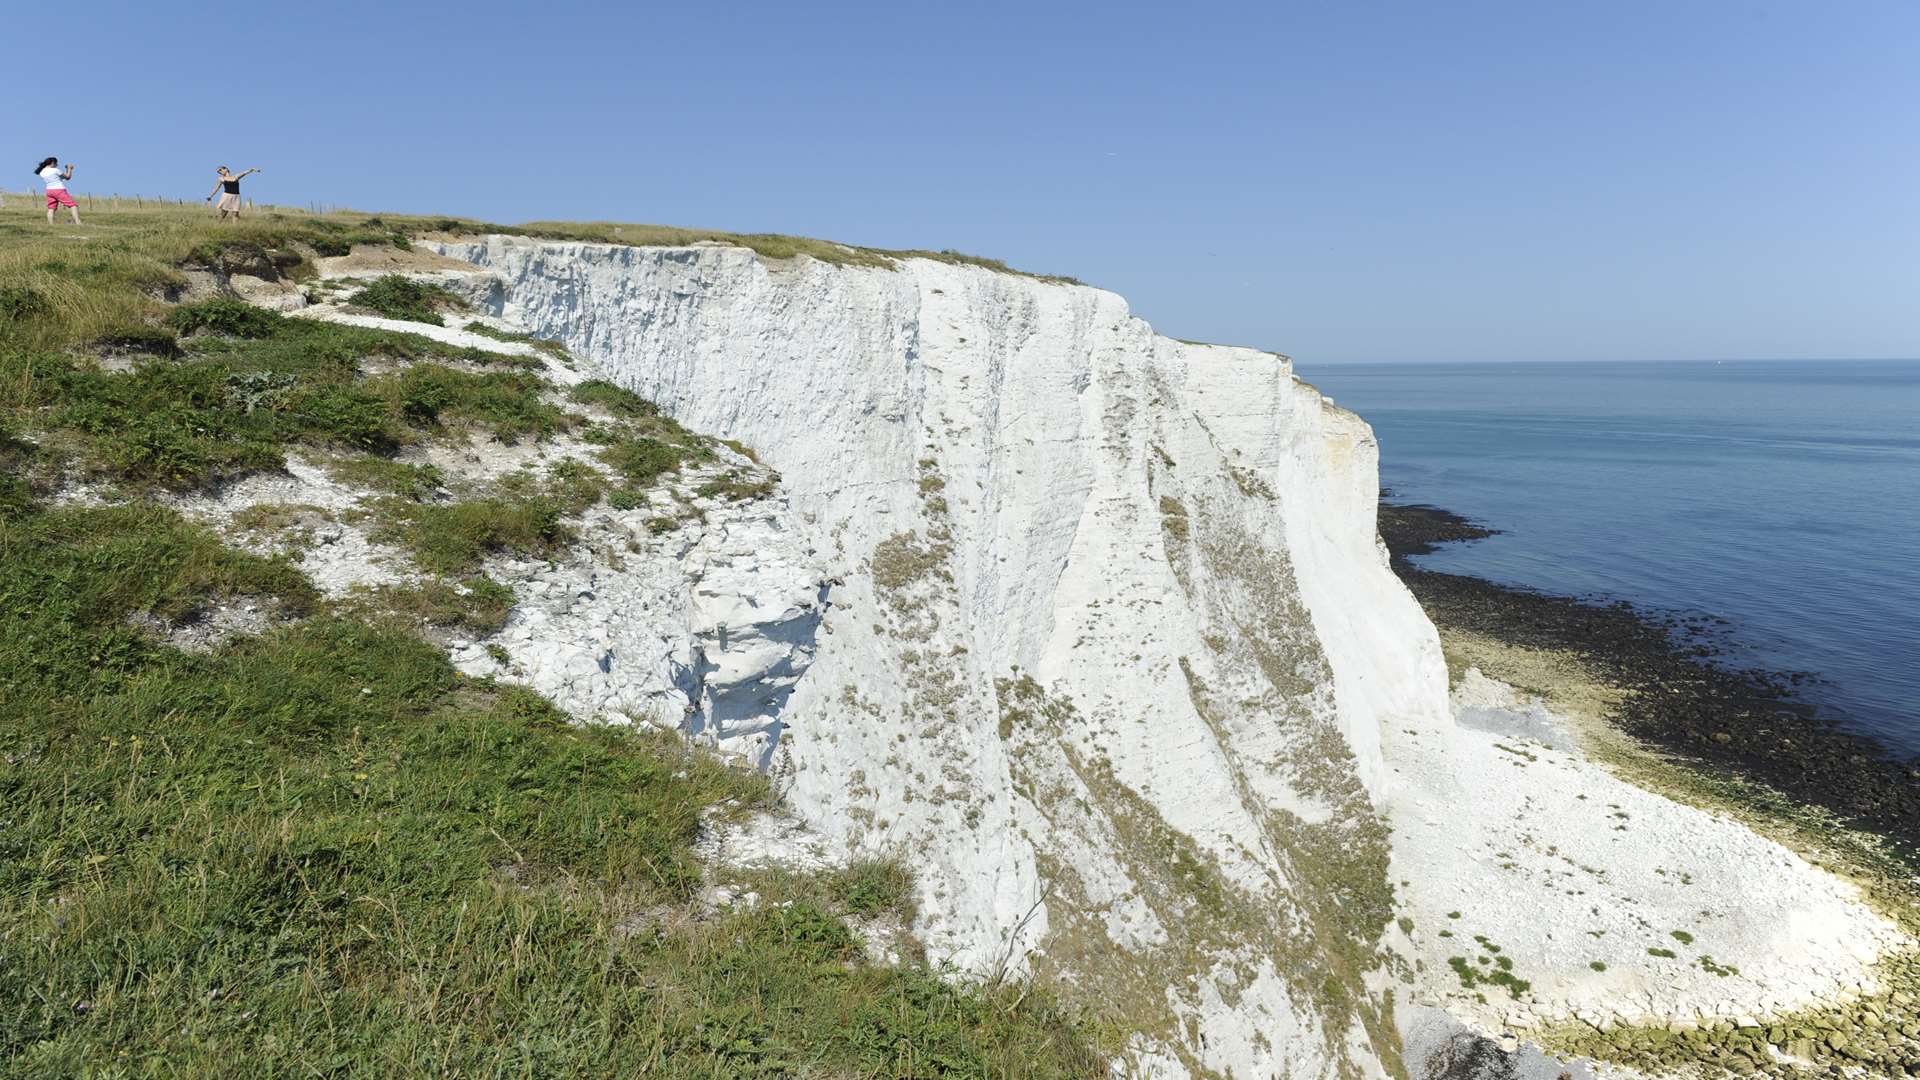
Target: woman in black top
228,188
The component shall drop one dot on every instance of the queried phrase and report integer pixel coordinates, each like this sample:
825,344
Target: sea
1780,496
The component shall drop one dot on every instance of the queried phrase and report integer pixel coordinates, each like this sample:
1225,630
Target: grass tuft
872,887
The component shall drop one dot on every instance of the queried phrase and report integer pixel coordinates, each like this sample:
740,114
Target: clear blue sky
1339,181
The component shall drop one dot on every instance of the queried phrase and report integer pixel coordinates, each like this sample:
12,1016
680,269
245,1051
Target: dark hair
44,164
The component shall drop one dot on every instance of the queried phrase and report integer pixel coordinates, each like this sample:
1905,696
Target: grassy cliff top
142,244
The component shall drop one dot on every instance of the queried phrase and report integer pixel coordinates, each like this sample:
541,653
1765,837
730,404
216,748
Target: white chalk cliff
1089,626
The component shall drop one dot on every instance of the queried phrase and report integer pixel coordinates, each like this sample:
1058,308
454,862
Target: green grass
454,537
737,485
768,245
110,282
1502,976
250,384
62,286
475,605
874,887
404,298
521,514
369,473
617,400
321,850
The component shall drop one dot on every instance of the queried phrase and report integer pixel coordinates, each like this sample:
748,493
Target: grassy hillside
318,849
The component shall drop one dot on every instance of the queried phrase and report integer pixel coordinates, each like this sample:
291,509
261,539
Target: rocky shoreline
1673,698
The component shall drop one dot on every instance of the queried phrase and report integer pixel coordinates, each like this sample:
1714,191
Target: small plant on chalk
403,298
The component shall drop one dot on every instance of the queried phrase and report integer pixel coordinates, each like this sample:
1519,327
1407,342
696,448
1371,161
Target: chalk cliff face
1088,625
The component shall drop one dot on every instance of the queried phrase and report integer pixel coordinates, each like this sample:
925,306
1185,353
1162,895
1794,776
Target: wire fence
116,201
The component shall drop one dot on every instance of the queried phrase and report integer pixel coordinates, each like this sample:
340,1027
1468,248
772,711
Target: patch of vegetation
617,400
476,605
767,245
1173,518
19,303
275,517
454,537
641,445
960,258
137,341
903,559
511,405
1708,965
1664,954
253,383
274,234
871,887
323,845
1529,755
367,472
545,345
641,461
70,578
399,297
1597,966
226,318
1681,936
739,485
1503,977
525,514
56,293
290,526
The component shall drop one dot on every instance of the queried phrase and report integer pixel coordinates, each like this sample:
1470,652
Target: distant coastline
1671,695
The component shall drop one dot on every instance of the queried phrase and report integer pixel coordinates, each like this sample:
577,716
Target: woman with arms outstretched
228,188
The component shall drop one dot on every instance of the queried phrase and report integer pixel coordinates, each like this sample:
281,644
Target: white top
51,174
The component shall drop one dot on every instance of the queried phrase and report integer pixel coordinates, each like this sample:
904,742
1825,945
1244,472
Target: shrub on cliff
404,298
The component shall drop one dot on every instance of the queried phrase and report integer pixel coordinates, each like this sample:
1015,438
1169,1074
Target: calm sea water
1782,496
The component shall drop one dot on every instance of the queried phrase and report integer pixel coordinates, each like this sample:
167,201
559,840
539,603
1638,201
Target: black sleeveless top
231,187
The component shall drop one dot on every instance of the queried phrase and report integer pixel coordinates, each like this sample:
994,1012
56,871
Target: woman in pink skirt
228,188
